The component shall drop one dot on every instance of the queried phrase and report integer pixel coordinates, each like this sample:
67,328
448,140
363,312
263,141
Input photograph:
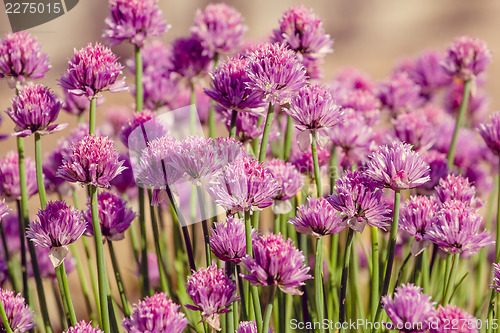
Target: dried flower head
18,314
467,57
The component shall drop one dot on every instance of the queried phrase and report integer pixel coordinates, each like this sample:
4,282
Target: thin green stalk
461,114
62,281
204,224
243,295
333,168
345,272
81,277
10,269
192,112
60,307
354,283
22,237
90,266
39,171
318,283
230,314
451,280
269,310
265,135
144,244
232,126
101,266
402,269
5,320
119,282
254,291
497,244
92,115
211,112
425,271
159,254
287,146
390,254
139,93
317,175
375,272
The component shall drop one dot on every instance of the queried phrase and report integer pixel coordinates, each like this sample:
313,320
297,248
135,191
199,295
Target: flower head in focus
466,58
318,218
18,314
453,314
227,240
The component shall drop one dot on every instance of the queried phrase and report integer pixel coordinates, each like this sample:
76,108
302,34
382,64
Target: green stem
81,277
204,223
402,268
101,266
254,291
92,115
461,114
230,314
22,237
10,269
119,282
265,135
192,113
144,244
333,168
139,94
90,266
269,310
211,112
62,280
287,147
425,271
318,282
345,272
375,271
232,126
5,320
497,244
39,171
317,175
452,276
159,254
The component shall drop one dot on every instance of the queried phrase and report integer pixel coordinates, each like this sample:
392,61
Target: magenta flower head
413,128
495,283
318,218
411,311
276,262
46,267
467,57
219,28
244,185
314,109
133,21
212,292
227,241
76,105
57,226
399,94
456,229
290,180
10,187
397,167
188,58
155,313
359,202
438,169
416,217
465,323
93,69
247,123
83,327
229,86
152,126
457,188
249,327
93,160
33,111
275,73
491,133
22,57
114,215
18,314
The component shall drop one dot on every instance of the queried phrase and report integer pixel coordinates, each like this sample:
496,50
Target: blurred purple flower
466,323
188,58
415,129
4,210
125,180
290,180
83,327
10,225
10,187
249,327
438,166
457,188
318,218
495,283
149,123
399,94
227,240
247,123
466,58
490,132
416,217
303,160
77,105
478,106
18,314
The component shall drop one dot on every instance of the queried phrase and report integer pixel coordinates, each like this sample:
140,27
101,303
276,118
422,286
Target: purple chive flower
455,229
57,226
317,218
247,123
212,292
410,311
124,182
249,327
77,105
4,210
155,313
277,262
10,225
496,278
438,169
227,241
478,106
229,86
359,202
397,167
93,69
10,187
93,160
491,133
83,327
46,267
413,128
275,73
244,185
114,215
188,58
19,316
466,323
457,188
21,57
303,160
466,58
219,28
302,31
399,94
290,180
229,150
416,217
364,102
33,111
314,109
133,21
152,126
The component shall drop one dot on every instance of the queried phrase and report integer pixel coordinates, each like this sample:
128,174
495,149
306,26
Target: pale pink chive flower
359,202
456,229
219,27
93,69
133,21
495,283
466,323
18,314
410,311
317,218
398,167
249,327
10,187
83,327
490,132
211,292
466,58
114,215
276,262
244,185
155,313
290,180
21,57
57,226
457,188
399,94
188,58
275,73
33,111
229,86
416,217
315,110
415,129
93,160
227,240
229,150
